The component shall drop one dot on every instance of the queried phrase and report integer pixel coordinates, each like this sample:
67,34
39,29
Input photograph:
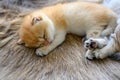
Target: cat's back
86,6
81,14
84,11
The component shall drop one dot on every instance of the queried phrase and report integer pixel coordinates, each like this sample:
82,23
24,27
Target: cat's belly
78,25
76,30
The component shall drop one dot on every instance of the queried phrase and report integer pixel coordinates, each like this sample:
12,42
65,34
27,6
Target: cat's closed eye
42,37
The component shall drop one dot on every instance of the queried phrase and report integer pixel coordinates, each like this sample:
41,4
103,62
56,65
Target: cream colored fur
98,44
113,46
79,18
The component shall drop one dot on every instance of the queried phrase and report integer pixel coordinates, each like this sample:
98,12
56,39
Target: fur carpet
66,62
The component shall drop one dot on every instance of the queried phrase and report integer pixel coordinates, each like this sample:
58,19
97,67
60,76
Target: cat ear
35,20
20,42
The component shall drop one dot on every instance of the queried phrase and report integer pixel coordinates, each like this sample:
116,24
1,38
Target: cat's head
33,31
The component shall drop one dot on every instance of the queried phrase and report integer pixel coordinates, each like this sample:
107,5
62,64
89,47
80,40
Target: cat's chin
46,43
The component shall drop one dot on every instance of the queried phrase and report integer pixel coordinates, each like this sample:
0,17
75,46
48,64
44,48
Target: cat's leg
59,38
106,51
94,32
90,44
97,31
93,43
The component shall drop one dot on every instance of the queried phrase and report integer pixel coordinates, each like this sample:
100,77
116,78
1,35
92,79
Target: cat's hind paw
90,44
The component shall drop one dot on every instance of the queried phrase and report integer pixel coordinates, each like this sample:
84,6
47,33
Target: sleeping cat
46,28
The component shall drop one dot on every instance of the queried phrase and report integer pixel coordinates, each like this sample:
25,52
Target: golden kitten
49,26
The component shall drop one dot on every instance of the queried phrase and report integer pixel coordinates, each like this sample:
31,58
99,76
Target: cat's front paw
40,52
90,44
89,57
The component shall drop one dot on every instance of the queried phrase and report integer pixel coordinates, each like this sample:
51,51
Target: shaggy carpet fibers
66,62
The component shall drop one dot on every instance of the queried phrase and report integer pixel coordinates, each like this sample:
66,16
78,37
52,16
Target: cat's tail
112,24
115,56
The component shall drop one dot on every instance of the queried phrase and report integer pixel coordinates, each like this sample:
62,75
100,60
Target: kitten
46,28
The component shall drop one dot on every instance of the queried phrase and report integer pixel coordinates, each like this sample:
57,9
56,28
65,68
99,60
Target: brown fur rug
67,62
